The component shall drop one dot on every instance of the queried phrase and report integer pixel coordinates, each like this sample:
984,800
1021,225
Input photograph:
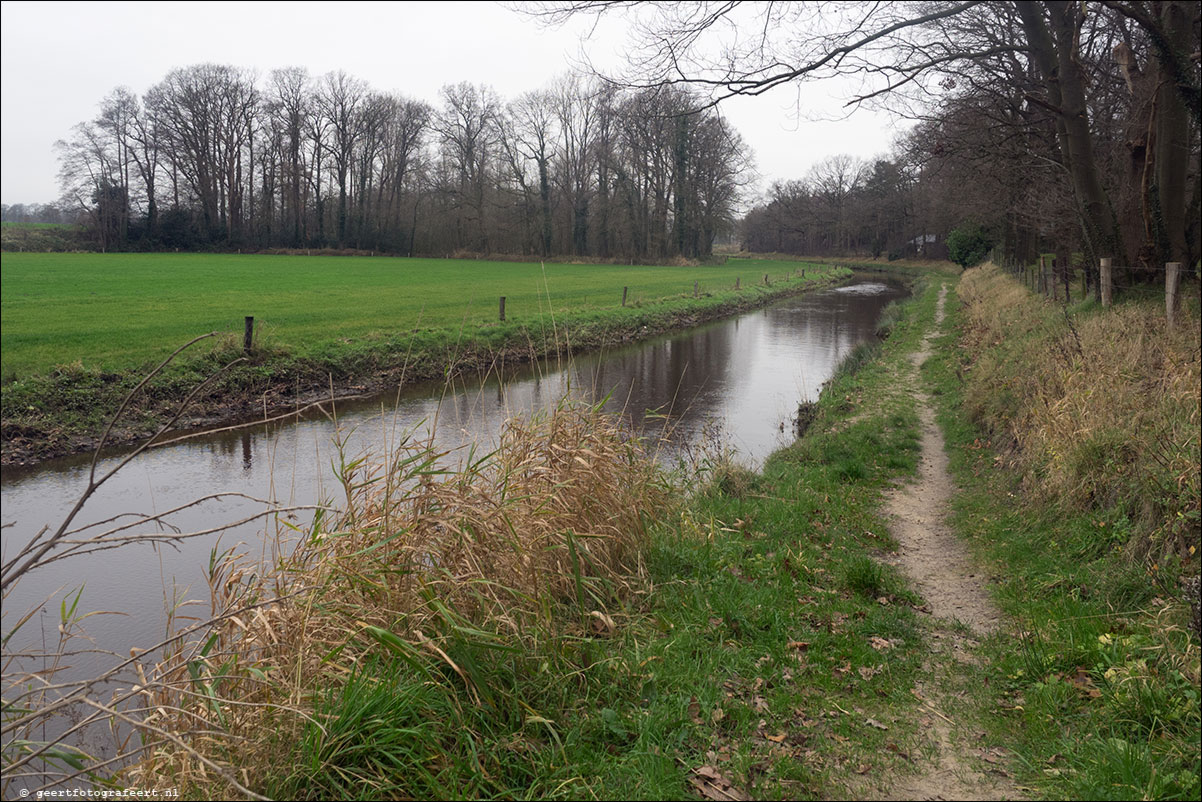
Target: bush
968,245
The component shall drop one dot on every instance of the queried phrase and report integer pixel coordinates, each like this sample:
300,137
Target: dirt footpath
941,570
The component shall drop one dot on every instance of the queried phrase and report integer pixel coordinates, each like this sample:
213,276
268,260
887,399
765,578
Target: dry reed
1101,406
527,543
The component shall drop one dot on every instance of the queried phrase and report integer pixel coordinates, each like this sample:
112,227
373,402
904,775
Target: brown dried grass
1101,407
523,545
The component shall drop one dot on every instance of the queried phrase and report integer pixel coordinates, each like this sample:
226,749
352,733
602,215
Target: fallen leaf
799,645
1084,683
717,715
871,722
602,625
695,710
712,784
863,768
880,644
868,672
778,738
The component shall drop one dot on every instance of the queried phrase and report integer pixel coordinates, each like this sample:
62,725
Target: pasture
119,311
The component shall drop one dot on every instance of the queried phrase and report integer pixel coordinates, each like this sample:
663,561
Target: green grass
1098,693
118,311
80,329
752,645
758,640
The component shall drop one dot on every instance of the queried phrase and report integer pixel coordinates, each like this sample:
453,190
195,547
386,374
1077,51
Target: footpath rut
953,764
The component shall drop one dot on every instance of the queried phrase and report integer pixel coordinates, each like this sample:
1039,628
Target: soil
954,589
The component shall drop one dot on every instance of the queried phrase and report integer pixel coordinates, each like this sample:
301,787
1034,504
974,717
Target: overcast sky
60,59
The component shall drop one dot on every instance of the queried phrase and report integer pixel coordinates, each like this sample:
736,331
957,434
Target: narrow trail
943,572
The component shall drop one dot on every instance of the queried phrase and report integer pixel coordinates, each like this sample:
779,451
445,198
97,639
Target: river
737,382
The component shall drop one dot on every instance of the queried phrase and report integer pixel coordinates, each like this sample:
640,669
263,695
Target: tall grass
1098,692
461,579
1100,408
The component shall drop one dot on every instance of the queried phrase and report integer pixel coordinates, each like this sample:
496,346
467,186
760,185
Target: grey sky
59,59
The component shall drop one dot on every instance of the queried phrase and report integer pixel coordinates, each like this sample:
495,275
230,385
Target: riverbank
562,621
65,412
742,639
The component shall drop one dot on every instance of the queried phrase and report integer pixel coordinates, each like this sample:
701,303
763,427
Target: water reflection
748,373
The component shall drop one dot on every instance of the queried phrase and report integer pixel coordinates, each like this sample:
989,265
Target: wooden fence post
624,289
1105,286
765,279
1052,280
502,308
696,289
1172,278
1042,274
736,282
249,337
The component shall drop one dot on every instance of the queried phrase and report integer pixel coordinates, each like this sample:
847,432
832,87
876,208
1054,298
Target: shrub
968,245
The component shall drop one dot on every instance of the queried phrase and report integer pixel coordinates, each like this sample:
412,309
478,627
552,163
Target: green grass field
9,224
118,311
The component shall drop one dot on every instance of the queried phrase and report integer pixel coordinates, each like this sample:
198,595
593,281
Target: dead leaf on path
712,784
996,756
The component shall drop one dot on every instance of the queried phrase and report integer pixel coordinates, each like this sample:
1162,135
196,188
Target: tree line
1057,125
215,157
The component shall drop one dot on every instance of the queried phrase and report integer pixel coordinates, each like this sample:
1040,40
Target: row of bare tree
1061,125
213,157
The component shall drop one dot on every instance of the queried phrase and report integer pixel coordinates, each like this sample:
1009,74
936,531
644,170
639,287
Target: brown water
742,377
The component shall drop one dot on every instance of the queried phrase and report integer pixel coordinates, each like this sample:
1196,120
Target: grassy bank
358,323
114,312
562,620
1075,441
553,624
